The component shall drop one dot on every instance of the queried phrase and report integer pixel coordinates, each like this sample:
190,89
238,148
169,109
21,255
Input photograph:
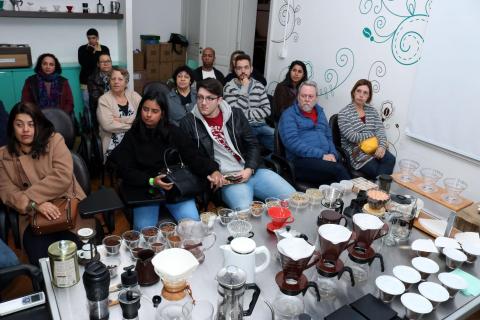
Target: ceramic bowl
471,250
425,266
454,258
389,287
416,305
452,283
433,292
407,275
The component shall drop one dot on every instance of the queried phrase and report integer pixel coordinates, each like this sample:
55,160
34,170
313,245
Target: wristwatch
32,205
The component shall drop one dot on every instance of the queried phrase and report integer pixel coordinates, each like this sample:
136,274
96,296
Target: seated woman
116,110
183,96
139,159
363,135
286,91
232,75
47,88
36,167
307,138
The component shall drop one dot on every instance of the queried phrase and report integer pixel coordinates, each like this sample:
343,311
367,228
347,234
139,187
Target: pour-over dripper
367,229
333,240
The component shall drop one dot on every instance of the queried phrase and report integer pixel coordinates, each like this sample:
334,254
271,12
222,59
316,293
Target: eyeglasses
105,62
208,98
307,96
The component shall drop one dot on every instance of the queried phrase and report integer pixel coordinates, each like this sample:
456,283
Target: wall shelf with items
60,15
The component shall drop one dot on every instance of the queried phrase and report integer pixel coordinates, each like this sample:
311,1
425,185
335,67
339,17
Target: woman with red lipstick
116,110
47,88
139,159
36,167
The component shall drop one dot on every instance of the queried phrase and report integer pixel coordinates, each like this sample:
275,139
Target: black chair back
63,124
81,173
156,87
333,122
278,147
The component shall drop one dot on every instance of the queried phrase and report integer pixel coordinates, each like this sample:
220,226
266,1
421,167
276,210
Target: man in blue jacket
307,138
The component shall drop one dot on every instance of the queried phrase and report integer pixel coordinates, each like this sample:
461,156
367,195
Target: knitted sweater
253,101
353,131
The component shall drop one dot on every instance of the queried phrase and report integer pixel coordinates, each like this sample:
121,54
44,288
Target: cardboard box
153,71
138,61
139,81
181,55
177,64
165,71
166,54
152,52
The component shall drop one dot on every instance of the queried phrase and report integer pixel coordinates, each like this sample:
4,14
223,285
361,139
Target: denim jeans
148,215
264,133
86,106
319,171
263,184
7,256
376,167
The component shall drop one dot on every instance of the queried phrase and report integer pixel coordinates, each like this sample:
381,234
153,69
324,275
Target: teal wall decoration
377,70
288,18
345,60
402,28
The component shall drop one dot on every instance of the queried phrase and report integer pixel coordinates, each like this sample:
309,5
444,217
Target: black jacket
198,76
239,131
138,160
87,59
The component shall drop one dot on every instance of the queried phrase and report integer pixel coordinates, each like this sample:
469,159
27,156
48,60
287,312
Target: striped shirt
253,101
353,131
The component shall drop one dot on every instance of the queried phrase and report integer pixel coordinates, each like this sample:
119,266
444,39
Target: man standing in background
207,70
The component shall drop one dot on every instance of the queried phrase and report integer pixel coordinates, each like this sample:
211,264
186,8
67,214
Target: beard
307,107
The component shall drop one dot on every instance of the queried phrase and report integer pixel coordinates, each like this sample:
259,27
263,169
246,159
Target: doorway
261,34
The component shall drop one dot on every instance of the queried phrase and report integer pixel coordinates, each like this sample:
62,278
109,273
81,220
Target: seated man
207,70
250,96
222,133
307,138
98,84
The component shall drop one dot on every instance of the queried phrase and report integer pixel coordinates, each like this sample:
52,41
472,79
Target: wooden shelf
434,196
60,15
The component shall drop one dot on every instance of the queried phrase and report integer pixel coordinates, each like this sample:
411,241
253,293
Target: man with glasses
250,96
223,134
307,138
98,84
88,55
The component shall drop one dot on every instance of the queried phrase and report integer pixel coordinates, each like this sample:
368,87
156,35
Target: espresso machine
296,256
367,228
333,239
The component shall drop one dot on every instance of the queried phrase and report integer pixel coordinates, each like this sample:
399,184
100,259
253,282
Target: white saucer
407,274
390,285
416,303
452,281
433,292
425,265
425,245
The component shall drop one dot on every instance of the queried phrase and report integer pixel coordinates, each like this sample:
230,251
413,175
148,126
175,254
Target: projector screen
444,108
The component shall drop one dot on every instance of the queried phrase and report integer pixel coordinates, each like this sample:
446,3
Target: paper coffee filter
295,248
425,245
334,233
367,221
174,264
464,237
444,242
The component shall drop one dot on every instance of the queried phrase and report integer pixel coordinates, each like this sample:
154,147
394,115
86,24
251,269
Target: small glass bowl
314,195
150,234
243,214
257,208
454,188
407,169
167,228
239,228
226,215
272,202
131,238
112,245
430,178
298,200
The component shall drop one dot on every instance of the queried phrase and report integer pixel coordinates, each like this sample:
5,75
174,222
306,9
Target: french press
231,288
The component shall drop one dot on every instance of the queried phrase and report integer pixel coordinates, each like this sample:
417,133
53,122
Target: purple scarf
44,99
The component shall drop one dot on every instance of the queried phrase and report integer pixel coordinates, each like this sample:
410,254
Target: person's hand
49,210
162,184
246,174
216,180
329,157
244,80
379,153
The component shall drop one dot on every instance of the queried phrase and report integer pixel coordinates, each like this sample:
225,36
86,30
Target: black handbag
176,38
186,184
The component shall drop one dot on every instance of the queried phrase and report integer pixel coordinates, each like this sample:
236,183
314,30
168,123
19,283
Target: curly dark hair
38,65
183,69
43,129
139,127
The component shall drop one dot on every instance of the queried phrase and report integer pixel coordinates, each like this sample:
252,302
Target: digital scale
22,303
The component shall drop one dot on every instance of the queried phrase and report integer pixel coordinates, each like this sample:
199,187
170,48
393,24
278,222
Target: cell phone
155,193
233,178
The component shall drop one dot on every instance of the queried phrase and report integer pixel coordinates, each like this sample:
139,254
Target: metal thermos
96,280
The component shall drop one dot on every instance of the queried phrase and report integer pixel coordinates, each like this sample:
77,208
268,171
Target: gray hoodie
226,161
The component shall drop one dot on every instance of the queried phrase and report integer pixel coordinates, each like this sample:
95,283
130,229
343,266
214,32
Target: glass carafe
231,289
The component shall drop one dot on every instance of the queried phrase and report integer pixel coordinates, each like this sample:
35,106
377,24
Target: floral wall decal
288,18
345,60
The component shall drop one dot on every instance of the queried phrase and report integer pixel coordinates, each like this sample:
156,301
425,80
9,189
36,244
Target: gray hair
123,71
309,83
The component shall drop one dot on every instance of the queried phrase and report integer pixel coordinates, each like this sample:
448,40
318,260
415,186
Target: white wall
62,37
159,17
331,37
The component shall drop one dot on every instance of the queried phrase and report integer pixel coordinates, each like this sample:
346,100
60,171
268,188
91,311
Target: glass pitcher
193,234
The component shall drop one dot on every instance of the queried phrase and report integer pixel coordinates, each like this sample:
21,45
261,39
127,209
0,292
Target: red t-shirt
312,115
216,125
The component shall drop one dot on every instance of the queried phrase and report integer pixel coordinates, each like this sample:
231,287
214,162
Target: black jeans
376,167
319,171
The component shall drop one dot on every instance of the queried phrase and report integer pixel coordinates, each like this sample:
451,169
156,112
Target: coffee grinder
367,228
333,240
296,256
